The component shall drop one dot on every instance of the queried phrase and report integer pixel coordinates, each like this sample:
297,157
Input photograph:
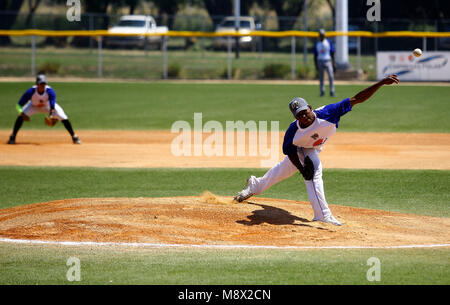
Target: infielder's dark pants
328,66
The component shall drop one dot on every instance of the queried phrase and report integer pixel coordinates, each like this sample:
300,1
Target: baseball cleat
76,140
329,219
246,192
12,140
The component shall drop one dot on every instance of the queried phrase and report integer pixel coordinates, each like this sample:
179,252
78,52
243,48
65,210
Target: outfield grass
110,266
139,64
424,192
156,106
146,106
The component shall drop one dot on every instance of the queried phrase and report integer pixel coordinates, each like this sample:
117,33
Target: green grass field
424,192
156,106
111,266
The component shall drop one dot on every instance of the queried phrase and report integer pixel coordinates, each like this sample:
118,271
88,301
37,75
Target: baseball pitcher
41,98
303,141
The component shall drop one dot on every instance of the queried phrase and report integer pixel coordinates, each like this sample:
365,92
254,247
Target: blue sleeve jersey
37,99
315,135
332,50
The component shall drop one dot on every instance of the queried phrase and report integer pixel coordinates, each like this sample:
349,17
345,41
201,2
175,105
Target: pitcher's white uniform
35,102
306,142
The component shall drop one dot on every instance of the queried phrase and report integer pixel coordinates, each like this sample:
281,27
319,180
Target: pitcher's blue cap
298,104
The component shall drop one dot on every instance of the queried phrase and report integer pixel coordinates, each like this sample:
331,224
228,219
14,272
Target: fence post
91,27
164,46
305,27
293,57
435,38
424,44
146,45
229,68
260,46
33,55
202,39
376,38
100,59
359,54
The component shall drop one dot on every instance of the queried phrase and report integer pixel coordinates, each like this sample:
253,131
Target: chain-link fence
195,57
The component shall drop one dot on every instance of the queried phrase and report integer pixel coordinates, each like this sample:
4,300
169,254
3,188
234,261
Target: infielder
302,144
41,98
324,60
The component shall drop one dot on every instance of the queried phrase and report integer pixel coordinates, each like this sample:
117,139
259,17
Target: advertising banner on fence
431,66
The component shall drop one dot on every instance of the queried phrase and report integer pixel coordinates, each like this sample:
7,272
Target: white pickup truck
135,24
246,25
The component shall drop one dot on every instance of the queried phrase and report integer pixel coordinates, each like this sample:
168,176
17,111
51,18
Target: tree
218,8
408,9
10,10
32,6
132,4
287,8
168,8
226,7
332,8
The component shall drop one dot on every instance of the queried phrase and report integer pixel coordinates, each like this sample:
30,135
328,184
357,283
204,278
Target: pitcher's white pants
286,169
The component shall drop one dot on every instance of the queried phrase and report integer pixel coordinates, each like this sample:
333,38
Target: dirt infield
145,149
209,219
213,220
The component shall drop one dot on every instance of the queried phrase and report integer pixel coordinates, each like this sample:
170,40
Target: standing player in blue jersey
324,60
302,144
41,98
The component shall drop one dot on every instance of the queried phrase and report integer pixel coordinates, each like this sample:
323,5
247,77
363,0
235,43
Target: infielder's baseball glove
50,122
308,169
25,117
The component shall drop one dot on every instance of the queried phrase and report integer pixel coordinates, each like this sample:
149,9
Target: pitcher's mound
215,220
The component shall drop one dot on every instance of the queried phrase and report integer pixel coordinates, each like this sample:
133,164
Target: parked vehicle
246,25
135,24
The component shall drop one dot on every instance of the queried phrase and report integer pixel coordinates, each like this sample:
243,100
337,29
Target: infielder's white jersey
41,103
48,98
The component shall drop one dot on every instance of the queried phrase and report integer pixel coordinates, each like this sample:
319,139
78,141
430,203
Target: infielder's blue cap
298,104
41,78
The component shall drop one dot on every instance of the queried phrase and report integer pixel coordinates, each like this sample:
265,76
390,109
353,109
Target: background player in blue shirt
41,98
302,144
324,61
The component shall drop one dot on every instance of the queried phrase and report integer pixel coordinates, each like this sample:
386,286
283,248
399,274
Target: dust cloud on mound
209,197
214,220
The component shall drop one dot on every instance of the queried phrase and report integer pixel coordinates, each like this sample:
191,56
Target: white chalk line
153,245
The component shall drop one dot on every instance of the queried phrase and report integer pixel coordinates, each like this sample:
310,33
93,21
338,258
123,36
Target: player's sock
68,126
17,125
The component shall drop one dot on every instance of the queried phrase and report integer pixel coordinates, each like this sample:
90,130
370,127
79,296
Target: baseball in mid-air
417,52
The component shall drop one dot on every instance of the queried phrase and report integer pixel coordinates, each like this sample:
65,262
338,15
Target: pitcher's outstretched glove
308,169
